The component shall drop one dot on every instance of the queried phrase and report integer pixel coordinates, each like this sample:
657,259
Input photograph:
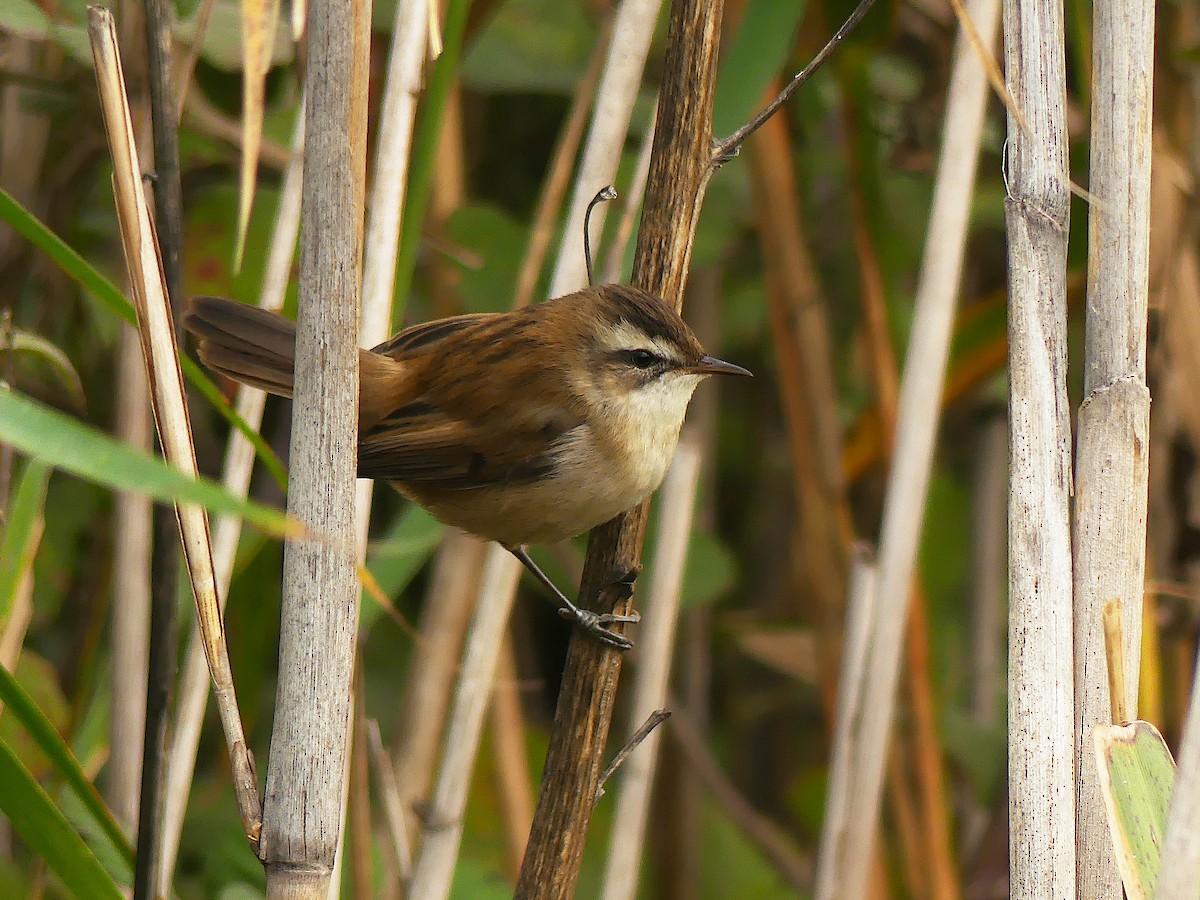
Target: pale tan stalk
319,616
1041,703
393,807
235,476
454,586
632,30
1113,429
130,596
838,874
442,833
174,428
656,652
918,413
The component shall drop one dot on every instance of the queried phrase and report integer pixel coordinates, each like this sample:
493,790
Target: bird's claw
595,625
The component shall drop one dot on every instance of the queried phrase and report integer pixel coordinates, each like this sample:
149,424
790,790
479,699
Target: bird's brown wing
421,444
423,338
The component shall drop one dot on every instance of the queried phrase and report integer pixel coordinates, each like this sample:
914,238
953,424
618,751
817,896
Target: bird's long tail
248,344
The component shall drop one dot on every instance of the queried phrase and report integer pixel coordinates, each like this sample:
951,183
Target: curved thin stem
727,149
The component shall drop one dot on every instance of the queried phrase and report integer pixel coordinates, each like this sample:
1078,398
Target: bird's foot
596,624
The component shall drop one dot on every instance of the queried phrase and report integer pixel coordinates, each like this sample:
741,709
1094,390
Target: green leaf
498,242
46,830
531,47
48,740
27,225
59,441
24,19
21,534
59,362
1136,775
757,55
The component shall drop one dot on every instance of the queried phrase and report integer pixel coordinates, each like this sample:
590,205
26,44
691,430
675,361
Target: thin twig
602,196
727,149
655,719
393,806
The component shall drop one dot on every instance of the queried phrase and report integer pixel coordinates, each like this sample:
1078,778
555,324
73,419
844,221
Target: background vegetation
739,797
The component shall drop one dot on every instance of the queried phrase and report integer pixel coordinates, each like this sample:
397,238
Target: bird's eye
643,359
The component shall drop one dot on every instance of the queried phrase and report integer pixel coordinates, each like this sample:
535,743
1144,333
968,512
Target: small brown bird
530,426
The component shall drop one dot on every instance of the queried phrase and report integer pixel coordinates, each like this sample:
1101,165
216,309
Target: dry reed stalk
632,31
682,163
397,111
434,866
653,671
454,587
435,861
1113,429
319,615
161,355
837,872
919,406
1041,703
235,477
926,754
130,595
513,781
393,806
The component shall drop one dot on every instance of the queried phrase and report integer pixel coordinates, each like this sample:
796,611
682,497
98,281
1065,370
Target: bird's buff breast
592,482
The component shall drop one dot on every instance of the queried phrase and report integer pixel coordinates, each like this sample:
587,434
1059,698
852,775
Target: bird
523,427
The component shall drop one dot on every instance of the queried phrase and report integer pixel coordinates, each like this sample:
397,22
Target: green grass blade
48,740
59,441
21,534
42,826
27,225
1136,775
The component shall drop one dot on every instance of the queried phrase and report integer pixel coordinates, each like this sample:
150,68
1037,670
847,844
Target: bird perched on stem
523,427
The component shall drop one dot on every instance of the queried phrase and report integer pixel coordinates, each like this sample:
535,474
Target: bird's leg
592,622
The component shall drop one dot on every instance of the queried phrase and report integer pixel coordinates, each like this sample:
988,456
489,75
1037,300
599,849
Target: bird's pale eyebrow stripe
621,335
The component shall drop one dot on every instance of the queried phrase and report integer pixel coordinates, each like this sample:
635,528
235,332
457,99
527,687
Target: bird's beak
710,365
